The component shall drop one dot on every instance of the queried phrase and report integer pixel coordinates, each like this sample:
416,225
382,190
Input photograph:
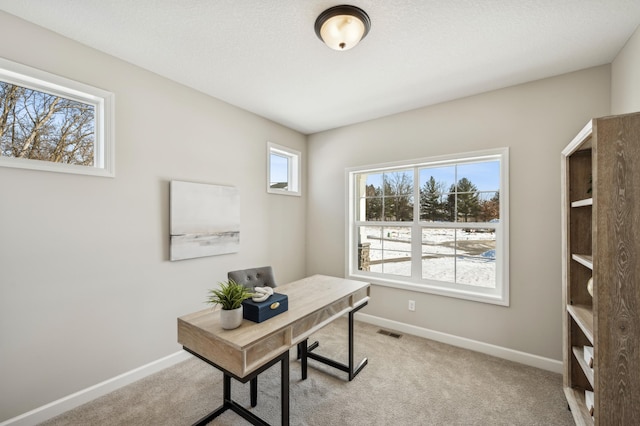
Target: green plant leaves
229,296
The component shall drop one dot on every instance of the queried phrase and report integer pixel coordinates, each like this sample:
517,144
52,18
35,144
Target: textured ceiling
264,56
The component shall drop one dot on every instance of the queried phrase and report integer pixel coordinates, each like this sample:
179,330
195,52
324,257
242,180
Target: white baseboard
462,342
69,402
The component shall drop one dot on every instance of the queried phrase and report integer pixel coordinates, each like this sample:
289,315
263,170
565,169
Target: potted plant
229,296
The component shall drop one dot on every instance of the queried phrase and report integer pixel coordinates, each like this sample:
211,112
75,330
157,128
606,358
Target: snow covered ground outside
451,255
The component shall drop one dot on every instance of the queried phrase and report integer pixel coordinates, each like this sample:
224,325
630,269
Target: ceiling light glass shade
342,27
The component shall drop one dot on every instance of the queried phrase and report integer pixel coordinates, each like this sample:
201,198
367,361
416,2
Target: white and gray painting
205,220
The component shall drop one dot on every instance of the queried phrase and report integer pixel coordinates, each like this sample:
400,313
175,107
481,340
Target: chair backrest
254,277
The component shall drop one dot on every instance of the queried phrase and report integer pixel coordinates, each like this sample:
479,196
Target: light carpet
408,381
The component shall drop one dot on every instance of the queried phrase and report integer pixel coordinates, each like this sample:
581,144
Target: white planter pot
230,319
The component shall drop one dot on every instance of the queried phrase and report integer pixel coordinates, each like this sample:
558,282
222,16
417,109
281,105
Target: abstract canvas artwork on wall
205,220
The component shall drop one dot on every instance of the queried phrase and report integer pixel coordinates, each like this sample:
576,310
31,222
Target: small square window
283,170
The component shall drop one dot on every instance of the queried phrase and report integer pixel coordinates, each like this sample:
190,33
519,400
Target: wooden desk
246,351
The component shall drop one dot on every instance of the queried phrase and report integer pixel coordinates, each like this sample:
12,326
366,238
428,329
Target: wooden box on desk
260,311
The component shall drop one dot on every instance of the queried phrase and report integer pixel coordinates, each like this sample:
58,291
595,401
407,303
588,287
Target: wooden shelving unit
601,240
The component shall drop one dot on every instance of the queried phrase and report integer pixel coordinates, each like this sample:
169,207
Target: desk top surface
306,296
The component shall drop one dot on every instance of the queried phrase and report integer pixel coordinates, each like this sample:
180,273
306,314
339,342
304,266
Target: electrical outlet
412,305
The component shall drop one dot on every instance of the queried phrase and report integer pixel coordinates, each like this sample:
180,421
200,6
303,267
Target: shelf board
578,352
578,406
583,316
583,259
582,203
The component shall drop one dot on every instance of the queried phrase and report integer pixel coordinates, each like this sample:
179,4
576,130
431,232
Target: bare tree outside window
398,196
39,126
54,124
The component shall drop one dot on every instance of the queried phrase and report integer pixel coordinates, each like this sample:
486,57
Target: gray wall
535,120
87,293
625,77
86,288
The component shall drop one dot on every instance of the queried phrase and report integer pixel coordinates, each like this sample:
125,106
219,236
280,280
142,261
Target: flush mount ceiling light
342,27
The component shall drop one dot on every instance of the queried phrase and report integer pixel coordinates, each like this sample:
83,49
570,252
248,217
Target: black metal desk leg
350,367
351,375
253,385
353,370
226,389
302,348
284,389
229,404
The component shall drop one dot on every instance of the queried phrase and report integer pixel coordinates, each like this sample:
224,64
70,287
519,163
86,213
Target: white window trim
498,296
102,100
294,171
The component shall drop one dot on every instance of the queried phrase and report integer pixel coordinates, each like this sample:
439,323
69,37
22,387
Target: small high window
51,123
283,170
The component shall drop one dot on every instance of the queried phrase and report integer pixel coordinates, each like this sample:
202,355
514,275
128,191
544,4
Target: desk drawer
320,318
360,296
267,348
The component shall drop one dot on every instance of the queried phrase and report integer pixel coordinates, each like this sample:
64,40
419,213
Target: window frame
498,296
102,100
294,169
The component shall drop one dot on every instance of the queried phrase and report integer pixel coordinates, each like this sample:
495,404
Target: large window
51,123
436,225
